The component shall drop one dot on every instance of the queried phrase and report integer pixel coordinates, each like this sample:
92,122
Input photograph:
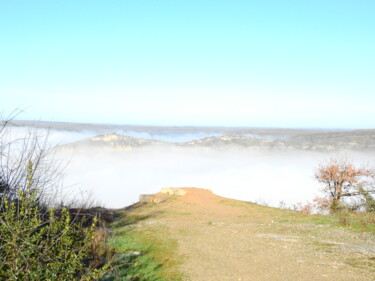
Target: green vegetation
132,261
357,222
43,246
141,255
39,241
354,221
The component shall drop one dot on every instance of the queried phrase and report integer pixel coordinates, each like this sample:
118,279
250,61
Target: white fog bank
117,178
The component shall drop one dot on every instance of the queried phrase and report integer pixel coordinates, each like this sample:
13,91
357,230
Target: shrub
35,245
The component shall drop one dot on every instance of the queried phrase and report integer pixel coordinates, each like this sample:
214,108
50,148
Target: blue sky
222,63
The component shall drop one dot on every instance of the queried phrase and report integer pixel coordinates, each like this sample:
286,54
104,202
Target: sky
306,64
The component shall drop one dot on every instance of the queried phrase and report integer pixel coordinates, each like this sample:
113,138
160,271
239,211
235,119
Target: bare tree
16,152
345,184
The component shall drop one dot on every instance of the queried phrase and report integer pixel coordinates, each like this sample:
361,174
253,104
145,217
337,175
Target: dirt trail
221,239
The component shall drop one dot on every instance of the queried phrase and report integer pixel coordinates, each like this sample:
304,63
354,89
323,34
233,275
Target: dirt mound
192,194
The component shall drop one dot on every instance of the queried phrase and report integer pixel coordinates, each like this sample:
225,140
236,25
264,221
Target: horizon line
35,122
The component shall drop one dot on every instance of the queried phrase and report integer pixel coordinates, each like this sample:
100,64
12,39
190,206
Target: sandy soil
221,239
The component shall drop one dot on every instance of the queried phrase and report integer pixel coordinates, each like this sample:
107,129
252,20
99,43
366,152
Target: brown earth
220,239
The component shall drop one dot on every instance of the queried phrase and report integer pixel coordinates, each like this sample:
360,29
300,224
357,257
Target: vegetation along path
198,236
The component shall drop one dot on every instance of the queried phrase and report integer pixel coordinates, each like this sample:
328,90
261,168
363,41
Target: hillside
126,137
197,235
113,141
360,140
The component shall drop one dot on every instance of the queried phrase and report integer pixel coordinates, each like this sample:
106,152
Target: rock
174,191
163,195
150,198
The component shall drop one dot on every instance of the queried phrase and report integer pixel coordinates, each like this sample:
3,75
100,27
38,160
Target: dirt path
219,239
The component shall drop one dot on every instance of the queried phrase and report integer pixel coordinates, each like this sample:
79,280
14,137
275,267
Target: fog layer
116,178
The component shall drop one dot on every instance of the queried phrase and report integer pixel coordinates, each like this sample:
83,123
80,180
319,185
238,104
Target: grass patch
296,217
133,261
326,246
358,222
363,263
141,255
233,203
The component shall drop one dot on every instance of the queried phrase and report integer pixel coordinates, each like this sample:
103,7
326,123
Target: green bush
35,245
